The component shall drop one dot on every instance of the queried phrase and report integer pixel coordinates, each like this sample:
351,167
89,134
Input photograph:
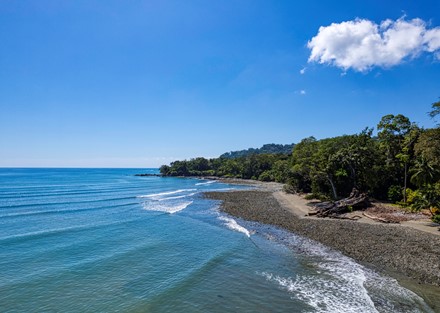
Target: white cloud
432,39
302,92
362,44
303,71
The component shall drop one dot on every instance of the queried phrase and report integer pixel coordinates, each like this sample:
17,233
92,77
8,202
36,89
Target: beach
402,251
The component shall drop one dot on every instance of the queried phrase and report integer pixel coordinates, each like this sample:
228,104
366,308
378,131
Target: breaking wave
160,195
233,225
177,197
206,183
338,284
167,208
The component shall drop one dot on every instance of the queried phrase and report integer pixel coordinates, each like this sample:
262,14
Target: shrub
289,189
317,196
427,197
310,196
419,202
265,176
410,195
395,193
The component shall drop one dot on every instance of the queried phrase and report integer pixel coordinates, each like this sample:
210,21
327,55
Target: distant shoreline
408,254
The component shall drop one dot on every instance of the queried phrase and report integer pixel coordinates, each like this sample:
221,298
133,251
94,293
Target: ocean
104,240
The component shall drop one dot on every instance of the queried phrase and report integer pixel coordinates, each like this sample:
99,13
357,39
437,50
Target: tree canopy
270,148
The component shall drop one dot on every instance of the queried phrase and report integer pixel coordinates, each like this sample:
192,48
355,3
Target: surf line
232,224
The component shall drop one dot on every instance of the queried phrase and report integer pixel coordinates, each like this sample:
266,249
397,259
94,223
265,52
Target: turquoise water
103,240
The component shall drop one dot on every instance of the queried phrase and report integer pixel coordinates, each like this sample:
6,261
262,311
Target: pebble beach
411,255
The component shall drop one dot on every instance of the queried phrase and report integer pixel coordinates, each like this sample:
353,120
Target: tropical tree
435,109
397,136
360,157
423,172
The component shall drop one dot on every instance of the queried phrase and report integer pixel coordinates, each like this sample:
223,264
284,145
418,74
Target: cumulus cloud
362,44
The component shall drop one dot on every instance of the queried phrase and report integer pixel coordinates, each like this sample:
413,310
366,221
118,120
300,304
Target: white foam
233,225
339,284
326,295
167,208
226,189
206,183
161,194
177,197
391,293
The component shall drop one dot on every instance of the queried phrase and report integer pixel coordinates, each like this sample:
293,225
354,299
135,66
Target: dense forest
400,164
270,148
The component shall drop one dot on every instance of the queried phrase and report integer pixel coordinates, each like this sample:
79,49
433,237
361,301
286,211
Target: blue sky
142,83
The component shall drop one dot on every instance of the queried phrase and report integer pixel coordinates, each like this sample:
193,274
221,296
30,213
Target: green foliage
411,196
317,196
280,171
266,167
435,109
426,169
415,201
265,176
289,189
164,169
333,166
427,197
397,137
311,196
436,218
423,172
265,149
394,193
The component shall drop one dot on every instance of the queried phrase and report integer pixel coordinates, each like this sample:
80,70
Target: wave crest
160,195
206,183
233,225
167,208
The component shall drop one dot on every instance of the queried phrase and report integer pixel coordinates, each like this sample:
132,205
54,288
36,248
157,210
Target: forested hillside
401,164
270,148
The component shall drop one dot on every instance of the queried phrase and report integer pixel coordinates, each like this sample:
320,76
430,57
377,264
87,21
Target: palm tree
423,172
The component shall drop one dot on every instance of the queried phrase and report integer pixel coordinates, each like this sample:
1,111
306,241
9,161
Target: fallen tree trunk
355,201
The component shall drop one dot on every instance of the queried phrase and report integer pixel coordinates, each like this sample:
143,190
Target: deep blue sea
104,240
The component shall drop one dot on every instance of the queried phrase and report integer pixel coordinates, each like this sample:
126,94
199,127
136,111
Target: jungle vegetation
400,164
270,148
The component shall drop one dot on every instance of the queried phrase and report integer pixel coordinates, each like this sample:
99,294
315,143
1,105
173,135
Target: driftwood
333,209
380,219
342,217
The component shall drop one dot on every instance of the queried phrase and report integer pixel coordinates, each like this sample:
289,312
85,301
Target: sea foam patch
323,295
206,183
337,283
233,225
168,201
160,195
177,197
170,208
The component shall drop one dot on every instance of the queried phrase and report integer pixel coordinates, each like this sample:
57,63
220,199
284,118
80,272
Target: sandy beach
409,251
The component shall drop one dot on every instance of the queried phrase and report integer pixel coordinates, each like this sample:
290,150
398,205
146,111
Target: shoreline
409,255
